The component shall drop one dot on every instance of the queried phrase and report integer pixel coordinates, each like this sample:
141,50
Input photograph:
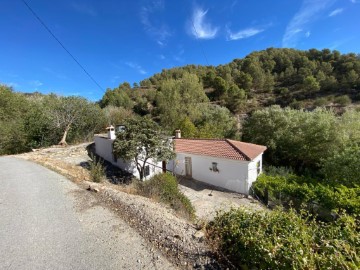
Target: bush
300,191
164,188
343,100
285,240
97,170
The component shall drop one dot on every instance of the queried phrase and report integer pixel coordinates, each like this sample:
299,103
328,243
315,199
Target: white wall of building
235,175
232,175
255,168
104,147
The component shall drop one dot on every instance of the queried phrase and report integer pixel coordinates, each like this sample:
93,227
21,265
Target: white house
229,164
104,148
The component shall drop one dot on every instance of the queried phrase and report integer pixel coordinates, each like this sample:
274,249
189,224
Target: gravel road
48,222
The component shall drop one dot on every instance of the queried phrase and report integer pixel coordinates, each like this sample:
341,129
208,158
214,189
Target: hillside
300,79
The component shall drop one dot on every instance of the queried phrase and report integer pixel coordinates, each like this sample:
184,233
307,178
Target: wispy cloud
307,34
160,31
354,1
84,8
11,84
179,55
199,27
36,83
336,12
244,33
137,67
55,74
308,13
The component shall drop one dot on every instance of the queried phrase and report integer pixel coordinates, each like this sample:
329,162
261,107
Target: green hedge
285,240
300,191
164,188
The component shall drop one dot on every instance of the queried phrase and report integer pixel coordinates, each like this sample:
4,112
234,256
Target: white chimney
111,133
178,134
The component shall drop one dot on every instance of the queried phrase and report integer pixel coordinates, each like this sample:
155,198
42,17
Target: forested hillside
186,96
203,101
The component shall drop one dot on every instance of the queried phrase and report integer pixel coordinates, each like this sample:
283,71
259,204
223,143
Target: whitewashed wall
253,169
232,175
104,147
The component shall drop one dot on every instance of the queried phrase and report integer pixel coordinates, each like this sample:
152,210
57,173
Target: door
164,166
188,167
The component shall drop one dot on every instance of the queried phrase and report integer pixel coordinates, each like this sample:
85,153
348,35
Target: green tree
142,140
179,98
294,137
310,84
72,113
13,109
343,167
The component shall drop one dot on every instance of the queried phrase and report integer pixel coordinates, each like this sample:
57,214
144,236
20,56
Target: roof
228,149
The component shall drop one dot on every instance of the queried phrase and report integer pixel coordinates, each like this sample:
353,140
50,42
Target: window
147,170
214,167
258,167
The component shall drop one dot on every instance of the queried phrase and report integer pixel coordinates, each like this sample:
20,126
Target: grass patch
97,170
164,188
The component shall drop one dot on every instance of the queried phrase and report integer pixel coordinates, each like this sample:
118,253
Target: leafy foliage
35,120
299,191
142,140
164,188
344,167
286,240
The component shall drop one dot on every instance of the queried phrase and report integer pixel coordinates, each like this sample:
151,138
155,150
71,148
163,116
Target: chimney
111,132
178,134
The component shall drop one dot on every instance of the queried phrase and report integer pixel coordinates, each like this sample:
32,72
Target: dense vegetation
32,121
286,240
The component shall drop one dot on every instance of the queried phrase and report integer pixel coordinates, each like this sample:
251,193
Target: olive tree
142,140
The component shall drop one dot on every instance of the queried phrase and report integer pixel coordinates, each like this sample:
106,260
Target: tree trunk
63,140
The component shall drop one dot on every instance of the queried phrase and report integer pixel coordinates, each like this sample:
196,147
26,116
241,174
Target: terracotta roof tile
219,148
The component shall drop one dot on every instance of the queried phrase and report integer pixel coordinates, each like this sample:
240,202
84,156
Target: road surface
48,222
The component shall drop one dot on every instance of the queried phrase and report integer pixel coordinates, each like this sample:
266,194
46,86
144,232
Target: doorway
188,167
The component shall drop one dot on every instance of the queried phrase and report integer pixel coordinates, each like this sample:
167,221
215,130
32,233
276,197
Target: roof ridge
237,149
201,139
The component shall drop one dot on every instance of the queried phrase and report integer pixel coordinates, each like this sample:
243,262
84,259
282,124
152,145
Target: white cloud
200,28
245,33
307,34
84,8
160,31
137,67
308,13
336,12
354,1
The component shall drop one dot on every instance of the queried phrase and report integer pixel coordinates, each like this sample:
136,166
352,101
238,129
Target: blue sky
119,41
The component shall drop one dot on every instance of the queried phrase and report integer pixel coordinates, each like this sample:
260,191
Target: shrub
300,191
343,100
285,240
97,170
164,188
